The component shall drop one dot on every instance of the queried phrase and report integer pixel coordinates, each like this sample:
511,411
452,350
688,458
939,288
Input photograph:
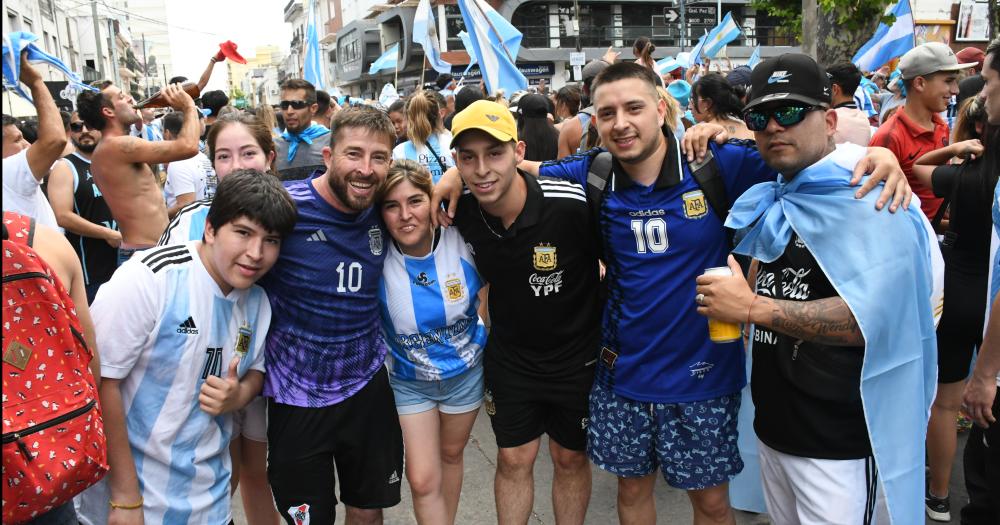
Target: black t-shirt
971,216
543,277
807,395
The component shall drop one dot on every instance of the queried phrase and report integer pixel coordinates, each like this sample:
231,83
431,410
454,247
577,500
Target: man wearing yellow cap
532,243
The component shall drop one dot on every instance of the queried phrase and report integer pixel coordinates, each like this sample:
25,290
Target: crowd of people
766,281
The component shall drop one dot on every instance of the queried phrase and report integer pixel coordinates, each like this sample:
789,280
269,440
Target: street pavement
477,507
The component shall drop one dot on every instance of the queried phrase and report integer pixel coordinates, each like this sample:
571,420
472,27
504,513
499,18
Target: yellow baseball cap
487,116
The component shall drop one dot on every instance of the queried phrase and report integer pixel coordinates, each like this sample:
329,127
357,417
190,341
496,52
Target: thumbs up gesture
220,395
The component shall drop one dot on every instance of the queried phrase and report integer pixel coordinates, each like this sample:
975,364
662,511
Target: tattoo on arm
826,321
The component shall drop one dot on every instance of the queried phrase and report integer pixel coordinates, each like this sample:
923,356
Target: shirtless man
120,164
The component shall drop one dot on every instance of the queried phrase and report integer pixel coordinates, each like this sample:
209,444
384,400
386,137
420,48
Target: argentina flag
313,70
388,60
724,33
495,44
754,58
888,42
425,33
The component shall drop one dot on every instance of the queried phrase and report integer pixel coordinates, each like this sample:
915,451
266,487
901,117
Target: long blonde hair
673,108
423,117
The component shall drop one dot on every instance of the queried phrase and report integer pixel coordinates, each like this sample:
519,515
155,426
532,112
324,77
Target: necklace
487,223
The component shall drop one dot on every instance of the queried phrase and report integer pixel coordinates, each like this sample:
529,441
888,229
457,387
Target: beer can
719,331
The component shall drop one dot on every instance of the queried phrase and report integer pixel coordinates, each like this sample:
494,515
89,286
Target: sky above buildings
198,26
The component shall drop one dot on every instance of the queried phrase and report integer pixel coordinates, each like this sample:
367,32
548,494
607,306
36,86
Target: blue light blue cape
314,131
19,41
887,268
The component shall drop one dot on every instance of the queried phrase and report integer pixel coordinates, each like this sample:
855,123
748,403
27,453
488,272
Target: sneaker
938,509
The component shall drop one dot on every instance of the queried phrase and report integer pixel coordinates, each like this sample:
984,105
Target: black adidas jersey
99,259
543,277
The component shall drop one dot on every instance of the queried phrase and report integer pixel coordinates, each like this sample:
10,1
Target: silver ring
700,299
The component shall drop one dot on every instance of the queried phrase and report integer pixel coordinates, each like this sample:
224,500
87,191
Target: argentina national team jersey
163,325
429,310
188,224
657,240
326,341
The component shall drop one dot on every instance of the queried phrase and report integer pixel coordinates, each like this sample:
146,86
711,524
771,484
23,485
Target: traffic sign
670,14
701,15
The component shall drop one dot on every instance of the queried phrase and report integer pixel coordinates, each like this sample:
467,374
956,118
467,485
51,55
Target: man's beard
85,148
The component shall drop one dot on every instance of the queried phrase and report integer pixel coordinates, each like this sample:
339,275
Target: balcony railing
90,74
538,36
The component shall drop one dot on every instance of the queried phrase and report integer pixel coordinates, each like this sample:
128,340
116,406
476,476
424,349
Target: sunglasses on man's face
294,104
785,116
77,127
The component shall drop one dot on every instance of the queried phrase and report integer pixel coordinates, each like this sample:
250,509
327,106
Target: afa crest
375,240
242,345
454,290
695,205
544,258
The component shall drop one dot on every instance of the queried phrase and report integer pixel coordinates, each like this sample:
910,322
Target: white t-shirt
163,325
441,142
193,175
22,192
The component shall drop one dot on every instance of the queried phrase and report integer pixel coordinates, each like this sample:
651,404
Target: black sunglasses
294,104
785,116
77,127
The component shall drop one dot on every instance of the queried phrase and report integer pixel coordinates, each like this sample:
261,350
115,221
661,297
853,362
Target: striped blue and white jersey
188,224
429,312
163,326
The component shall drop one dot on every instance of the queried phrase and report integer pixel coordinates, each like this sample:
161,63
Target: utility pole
576,15
98,61
684,27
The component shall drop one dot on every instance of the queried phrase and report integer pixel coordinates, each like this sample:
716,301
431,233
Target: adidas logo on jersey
647,213
187,327
394,478
318,236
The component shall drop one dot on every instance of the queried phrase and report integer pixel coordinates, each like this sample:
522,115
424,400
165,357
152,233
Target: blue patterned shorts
693,443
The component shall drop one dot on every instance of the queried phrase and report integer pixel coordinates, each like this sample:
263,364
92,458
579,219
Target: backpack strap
19,221
597,180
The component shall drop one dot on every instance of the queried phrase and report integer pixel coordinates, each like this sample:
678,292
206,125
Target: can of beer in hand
719,331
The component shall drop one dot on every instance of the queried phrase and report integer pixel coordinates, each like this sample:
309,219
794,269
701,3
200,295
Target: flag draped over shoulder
425,33
313,70
724,33
494,44
388,60
20,41
888,42
894,303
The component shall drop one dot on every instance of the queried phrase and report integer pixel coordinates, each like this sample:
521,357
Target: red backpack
53,437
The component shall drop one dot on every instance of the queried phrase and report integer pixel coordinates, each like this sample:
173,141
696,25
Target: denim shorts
455,395
693,443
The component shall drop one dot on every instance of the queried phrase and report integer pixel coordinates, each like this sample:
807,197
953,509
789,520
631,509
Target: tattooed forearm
826,321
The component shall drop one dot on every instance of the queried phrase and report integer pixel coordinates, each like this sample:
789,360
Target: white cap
929,58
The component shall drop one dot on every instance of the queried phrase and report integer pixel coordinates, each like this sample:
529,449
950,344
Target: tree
843,25
236,93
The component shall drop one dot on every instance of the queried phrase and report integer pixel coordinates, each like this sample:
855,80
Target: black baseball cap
792,76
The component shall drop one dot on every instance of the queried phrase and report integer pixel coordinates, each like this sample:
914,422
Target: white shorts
802,490
251,421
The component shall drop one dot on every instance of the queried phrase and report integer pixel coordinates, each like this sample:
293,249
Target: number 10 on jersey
650,235
349,277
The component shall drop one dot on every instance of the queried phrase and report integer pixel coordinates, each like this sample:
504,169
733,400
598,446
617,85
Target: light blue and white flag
754,58
425,33
313,70
19,41
889,42
667,65
388,60
467,43
696,52
864,101
495,44
724,33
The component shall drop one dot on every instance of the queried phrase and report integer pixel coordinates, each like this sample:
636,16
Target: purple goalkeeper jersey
325,341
